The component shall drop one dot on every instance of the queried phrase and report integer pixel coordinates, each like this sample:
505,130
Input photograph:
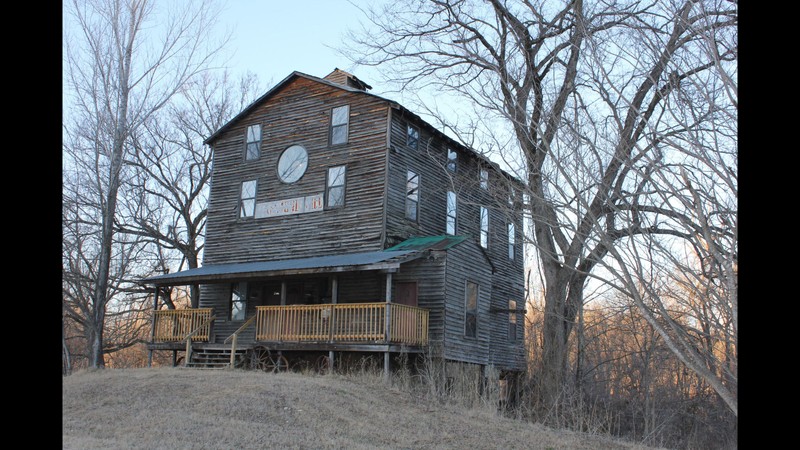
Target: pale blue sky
272,38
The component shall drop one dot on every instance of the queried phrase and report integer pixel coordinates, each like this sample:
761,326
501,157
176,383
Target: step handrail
235,337
188,338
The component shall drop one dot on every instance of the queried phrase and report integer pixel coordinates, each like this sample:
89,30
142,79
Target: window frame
239,288
335,126
471,312
409,129
452,161
484,178
329,187
247,143
512,320
409,199
484,225
242,199
511,227
451,218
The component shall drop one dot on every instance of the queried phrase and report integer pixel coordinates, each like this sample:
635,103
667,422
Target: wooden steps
214,358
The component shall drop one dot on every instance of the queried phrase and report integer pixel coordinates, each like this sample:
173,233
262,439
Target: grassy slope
169,408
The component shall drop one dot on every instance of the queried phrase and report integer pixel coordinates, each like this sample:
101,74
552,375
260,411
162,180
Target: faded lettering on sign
290,206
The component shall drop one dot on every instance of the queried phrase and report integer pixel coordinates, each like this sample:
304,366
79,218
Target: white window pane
411,209
339,135
336,196
340,115
253,133
336,176
252,150
248,208
249,189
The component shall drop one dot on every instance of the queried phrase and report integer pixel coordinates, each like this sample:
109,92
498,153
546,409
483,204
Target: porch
348,323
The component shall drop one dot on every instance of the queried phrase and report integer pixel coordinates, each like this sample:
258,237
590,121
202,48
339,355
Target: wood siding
300,113
374,215
466,262
428,273
429,161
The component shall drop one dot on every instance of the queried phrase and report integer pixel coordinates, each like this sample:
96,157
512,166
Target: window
334,190
512,320
412,195
247,204
451,212
471,316
340,118
484,227
452,159
511,237
484,179
238,301
512,194
412,137
253,146
292,164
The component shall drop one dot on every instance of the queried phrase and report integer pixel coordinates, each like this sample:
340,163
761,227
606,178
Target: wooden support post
386,367
153,327
387,327
330,361
174,358
233,350
332,315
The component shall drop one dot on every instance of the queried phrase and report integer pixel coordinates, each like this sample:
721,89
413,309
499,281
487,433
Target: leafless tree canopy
121,68
621,119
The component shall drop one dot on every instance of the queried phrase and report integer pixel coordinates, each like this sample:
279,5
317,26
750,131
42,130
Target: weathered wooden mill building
340,223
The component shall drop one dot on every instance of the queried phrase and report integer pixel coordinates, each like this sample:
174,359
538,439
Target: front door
406,293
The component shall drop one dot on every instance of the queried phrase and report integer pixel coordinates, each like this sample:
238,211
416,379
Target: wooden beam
153,327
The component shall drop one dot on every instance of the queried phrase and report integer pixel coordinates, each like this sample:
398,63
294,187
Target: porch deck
377,326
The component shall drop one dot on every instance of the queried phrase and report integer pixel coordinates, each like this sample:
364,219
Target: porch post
334,300
387,325
153,327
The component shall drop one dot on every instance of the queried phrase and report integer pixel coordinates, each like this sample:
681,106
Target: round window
292,164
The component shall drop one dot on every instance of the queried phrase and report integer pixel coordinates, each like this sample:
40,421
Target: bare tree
120,70
168,193
584,92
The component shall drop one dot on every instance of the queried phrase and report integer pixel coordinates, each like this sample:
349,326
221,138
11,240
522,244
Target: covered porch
266,310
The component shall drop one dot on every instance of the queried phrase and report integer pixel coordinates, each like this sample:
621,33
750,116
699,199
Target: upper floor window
340,118
334,187
238,306
484,179
247,202
451,212
484,227
511,238
412,137
512,195
512,320
412,195
253,147
471,313
452,160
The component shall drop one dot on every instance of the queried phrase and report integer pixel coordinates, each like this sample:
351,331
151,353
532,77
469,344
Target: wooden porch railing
174,325
344,322
234,338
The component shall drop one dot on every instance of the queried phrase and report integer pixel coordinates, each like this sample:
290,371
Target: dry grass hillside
173,408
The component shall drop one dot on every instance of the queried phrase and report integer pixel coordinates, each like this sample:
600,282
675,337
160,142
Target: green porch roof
428,243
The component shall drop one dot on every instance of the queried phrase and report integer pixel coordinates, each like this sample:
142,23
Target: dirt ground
175,408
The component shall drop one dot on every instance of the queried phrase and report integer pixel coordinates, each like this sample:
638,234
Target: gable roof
356,90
